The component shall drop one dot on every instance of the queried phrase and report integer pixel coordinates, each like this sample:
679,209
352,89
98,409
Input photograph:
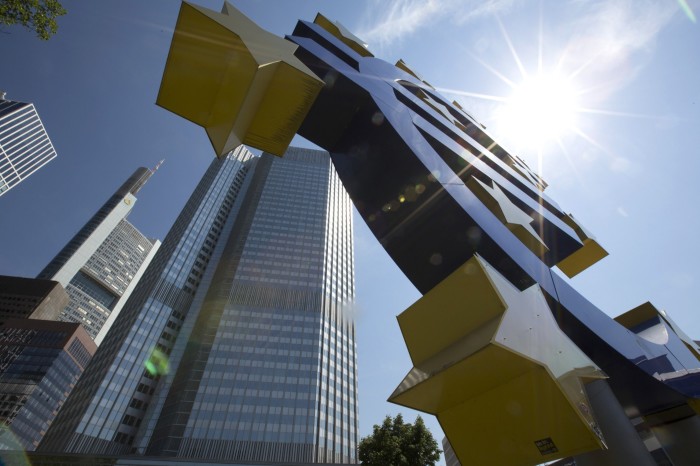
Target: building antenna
154,169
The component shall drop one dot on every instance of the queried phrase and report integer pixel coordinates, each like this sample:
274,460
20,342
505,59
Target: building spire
155,169
139,178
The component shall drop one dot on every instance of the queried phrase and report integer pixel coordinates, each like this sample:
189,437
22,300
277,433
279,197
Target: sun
540,111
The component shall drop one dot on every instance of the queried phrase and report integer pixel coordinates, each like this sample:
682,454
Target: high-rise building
238,343
450,456
24,145
31,298
40,361
101,264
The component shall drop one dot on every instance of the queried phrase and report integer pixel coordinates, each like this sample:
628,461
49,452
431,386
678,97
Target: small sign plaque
546,446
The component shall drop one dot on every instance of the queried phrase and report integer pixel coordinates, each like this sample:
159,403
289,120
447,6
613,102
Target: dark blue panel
404,153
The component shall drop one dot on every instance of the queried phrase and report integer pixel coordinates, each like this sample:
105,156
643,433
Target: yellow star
584,257
342,33
440,108
404,66
488,358
238,81
517,164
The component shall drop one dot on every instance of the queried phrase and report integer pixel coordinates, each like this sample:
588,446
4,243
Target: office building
24,145
450,457
101,264
238,343
31,298
40,361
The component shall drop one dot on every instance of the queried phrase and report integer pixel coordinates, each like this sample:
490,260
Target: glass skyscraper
40,360
24,145
238,343
100,266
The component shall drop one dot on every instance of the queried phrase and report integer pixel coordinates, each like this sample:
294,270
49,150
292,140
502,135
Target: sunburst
543,109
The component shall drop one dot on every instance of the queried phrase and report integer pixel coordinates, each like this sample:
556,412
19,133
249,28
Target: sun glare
541,110
545,109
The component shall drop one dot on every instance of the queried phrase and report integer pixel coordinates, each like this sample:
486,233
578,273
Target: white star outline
510,214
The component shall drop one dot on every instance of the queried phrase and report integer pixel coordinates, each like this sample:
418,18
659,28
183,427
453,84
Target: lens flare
11,450
540,110
157,363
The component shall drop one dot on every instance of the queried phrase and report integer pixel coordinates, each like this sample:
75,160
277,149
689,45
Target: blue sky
623,161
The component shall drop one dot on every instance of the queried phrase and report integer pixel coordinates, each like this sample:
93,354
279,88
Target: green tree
39,15
396,443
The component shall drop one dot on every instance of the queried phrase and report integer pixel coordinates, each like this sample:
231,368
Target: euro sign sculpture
518,367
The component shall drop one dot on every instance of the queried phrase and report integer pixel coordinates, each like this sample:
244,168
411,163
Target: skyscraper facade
25,146
40,361
101,264
31,298
238,344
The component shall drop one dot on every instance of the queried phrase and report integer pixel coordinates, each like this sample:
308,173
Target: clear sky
621,78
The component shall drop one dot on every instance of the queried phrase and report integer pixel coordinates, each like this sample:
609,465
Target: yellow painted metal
503,426
491,363
589,254
241,83
477,373
347,37
520,167
426,335
638,315
647,311
663,325
404,66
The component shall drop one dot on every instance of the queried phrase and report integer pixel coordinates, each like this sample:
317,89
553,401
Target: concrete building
25,146
238,343
101,264
40,362
31,298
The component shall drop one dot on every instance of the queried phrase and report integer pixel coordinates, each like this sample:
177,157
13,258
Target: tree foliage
39,15
396,443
